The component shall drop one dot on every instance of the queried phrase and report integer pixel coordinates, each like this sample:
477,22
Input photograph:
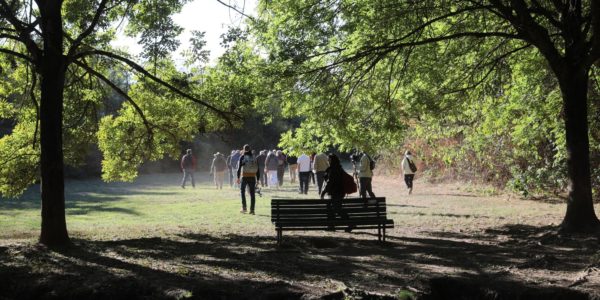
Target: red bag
349,184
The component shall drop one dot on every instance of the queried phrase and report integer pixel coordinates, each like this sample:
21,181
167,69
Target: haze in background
209,16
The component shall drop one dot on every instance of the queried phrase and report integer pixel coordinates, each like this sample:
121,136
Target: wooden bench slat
323,205
324,210
336,228
325,215
317,201
337,221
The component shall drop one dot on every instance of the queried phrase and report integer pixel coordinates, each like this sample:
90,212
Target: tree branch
22,29
237,10
143,71
119,91
529,29
17,54
390,46
595,39
90,28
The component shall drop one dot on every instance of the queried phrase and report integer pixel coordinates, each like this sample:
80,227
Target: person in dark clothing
235,158
229,167
335,189
260,159
188,165
281,163
248,170
312,162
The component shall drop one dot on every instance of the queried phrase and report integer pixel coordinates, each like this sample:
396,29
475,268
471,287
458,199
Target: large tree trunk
53,68
580,216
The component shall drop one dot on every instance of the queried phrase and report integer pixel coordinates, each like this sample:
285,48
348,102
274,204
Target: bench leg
383,233
379,232
279,235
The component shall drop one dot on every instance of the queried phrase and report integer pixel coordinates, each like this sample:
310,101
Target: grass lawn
153,239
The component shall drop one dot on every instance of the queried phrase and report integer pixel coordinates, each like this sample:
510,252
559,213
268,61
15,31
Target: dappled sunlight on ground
155,240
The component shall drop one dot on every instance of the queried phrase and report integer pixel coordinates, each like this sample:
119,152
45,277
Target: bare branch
17,54
22,29
546,13
237,10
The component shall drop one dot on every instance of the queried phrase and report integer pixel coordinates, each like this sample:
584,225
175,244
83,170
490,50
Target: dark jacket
335,182
292,160
260,159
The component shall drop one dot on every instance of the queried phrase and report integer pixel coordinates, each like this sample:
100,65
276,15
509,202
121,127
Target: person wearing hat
218,167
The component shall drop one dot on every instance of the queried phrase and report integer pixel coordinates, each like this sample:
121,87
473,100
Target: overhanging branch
90,28
119,91
143,71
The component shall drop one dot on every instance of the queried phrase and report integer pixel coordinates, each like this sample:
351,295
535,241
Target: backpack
249,164
411,165
371,163
348,183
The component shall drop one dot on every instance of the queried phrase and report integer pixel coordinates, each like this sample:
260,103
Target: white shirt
405,166
303,163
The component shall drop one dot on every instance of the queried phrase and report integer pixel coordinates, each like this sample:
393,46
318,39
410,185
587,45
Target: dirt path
450,241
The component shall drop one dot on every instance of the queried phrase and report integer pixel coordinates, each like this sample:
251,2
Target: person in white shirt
303,172
408,170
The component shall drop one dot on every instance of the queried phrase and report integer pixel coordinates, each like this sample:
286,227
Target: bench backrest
285,210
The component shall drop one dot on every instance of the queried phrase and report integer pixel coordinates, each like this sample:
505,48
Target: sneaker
251,212
243,210
183,186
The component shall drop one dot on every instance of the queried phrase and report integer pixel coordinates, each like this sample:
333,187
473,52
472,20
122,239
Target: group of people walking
247,170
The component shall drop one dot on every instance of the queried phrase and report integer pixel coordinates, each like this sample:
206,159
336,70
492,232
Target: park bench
312,214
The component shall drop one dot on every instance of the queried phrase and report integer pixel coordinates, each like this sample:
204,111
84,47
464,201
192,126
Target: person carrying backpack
248,170
365,176
188,165
408,169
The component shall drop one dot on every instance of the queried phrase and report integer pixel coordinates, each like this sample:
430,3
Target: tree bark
52,70
580,216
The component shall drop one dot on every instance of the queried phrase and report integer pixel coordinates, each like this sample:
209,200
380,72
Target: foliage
134,115
455,80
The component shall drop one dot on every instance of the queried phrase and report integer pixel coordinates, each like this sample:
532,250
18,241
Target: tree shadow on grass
234,266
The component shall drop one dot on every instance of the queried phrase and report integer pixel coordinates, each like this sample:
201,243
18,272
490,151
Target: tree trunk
580,216
52,69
